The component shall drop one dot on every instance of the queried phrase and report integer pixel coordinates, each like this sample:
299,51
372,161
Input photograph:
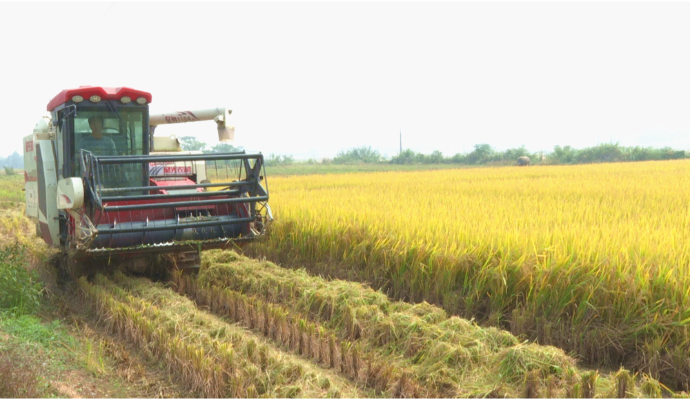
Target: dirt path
117,372
80,360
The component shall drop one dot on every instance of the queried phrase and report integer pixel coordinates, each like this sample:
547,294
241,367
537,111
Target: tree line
481,154
191,143
485,154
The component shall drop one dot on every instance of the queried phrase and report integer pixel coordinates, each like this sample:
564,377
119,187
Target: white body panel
178,168
70,193
47,192
30,178
31,195
165,143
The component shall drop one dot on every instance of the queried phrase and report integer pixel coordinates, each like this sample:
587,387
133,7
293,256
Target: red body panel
106,93
157,214
183,181
28,178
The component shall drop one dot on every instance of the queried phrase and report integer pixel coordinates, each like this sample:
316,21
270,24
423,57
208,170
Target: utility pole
400,140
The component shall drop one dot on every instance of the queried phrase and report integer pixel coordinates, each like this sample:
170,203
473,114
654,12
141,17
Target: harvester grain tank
101,187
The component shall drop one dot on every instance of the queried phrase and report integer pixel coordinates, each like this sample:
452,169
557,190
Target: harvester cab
101,187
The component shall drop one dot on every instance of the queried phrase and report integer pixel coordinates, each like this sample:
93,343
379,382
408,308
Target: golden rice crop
591,258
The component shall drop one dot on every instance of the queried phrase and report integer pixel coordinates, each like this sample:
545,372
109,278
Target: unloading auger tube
127,198
226,134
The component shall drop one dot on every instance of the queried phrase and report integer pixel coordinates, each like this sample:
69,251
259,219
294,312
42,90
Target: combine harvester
107,192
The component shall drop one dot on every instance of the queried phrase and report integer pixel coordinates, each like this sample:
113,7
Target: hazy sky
309,79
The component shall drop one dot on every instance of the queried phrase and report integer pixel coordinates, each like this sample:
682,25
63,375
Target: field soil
85,361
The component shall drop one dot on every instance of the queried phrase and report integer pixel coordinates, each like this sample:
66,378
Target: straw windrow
309,339
210,356
448,356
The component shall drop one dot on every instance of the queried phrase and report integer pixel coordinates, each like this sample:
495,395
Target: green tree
458,158
274,160
564,155
481,154
642,154
407,156
191,143
669,154
436,157
513,154
224,148
358,155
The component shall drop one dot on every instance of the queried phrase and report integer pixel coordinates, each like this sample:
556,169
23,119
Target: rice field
593,259
249,328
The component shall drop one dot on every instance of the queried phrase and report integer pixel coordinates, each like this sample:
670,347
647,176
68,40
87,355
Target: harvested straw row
420,333
451,355
183,359
385,375
306,378
347,305
448,355
212,357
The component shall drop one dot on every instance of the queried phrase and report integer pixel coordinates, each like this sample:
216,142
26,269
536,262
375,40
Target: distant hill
14,160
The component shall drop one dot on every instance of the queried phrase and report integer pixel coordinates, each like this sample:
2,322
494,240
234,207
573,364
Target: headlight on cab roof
125,99
77,99
141,100
95,99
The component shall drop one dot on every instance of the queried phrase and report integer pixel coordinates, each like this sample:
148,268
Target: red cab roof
106,93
